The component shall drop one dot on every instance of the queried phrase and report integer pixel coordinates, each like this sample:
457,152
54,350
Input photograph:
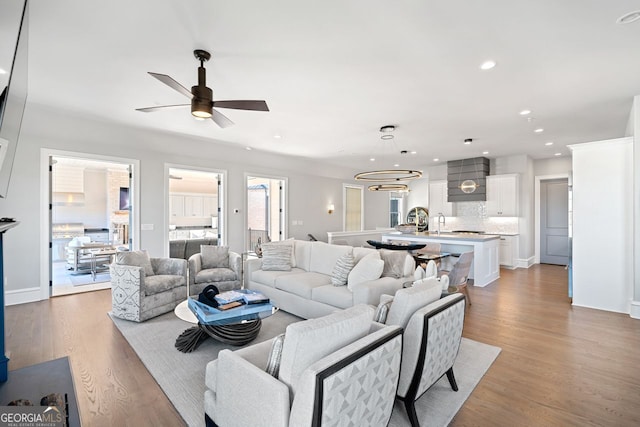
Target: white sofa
306,290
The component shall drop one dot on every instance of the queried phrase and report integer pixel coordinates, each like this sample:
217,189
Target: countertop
471,237
191,227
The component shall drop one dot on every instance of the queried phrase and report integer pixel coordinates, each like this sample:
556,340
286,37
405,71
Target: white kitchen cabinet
193,206
508,251
209,206
176,205
438,199
502,195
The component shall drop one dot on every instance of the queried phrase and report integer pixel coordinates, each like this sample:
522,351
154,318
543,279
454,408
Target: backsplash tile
472,216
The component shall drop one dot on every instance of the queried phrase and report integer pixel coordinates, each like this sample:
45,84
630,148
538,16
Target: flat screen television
125,204
14,95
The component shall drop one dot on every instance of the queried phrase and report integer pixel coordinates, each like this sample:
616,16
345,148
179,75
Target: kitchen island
485,267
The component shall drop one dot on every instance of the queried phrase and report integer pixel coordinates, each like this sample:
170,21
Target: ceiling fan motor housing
202,100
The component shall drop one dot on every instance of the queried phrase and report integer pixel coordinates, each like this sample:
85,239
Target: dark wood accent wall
477,169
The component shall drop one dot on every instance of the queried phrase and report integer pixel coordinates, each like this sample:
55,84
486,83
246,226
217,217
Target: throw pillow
394,263
136,259
382,311
276,257
369,268
288,242
275,355
341,270
214,256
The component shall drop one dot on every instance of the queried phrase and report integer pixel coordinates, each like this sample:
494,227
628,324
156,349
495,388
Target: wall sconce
331,208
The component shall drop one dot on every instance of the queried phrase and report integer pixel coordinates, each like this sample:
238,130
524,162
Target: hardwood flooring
559,366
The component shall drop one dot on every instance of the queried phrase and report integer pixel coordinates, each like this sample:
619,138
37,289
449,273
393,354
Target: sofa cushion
308,341
394,263
341,270
220,274
302,250
324,256
336,296
301,284
161,282
276,257
136,259
268,278
214,256
408,300
369,268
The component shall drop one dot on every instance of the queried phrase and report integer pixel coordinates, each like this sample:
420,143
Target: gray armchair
215,265
324,362
143,287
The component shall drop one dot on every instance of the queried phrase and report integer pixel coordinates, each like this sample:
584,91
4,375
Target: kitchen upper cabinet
193,206
176,205
209,206
502,195
438,199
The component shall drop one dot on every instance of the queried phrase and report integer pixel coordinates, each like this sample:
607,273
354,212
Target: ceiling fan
202,103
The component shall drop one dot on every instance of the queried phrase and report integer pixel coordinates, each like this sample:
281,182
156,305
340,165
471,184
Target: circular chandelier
389,187
388,175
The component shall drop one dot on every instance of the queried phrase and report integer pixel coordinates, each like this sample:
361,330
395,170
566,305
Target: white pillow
276,257
288,242
369,268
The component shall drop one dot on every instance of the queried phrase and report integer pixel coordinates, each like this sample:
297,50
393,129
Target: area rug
181,375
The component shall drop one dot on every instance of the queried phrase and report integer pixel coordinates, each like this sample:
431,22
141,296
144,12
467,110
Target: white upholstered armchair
144,287
324,362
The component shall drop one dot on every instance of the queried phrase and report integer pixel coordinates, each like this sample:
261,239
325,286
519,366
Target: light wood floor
560,365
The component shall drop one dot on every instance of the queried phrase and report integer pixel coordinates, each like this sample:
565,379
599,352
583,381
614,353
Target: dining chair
459,274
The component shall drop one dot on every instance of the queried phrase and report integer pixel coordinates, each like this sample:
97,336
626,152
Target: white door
554,223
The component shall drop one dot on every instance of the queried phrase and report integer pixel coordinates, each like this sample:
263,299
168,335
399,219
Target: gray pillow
341,270
214,256
393,263
276,257
382,311
136,259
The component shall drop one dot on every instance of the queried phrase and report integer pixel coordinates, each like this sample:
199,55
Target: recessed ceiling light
248,148
628,18
277,136
468,141
414,152
372,159
396,165
387,136
558,154
2,71
548,143
487,65
525,112
436,160
539,130
485,152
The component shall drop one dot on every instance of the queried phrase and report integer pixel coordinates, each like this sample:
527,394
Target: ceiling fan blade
242,105
220,119
159,107
172,84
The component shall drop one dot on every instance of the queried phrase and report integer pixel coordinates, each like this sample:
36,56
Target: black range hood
475,169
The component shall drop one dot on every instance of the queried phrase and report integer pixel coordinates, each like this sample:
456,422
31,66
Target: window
265,210
396,209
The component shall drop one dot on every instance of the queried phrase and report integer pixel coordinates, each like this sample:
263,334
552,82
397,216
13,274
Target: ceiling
334,72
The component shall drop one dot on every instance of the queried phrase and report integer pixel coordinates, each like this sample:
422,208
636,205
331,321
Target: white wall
634,129
93,213
554,166
311,185
602,224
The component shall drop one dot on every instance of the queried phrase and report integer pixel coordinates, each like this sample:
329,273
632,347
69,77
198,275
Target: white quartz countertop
471,237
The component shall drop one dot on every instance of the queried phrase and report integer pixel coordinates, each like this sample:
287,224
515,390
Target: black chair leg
452,379
409,404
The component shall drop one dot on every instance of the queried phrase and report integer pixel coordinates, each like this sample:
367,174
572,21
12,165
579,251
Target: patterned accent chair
337,370
215,265
432,336
144,287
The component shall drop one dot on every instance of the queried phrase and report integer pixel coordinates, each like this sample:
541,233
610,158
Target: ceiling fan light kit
202,103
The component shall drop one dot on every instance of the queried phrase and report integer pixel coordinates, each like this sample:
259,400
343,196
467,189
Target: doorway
195,207
554,222
90,216
265,216
353,199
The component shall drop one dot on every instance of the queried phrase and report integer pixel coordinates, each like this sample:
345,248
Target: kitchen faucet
441,220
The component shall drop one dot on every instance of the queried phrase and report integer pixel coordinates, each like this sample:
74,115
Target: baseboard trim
525,262
22,296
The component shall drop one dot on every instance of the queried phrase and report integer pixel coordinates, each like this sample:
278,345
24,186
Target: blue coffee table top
207,315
